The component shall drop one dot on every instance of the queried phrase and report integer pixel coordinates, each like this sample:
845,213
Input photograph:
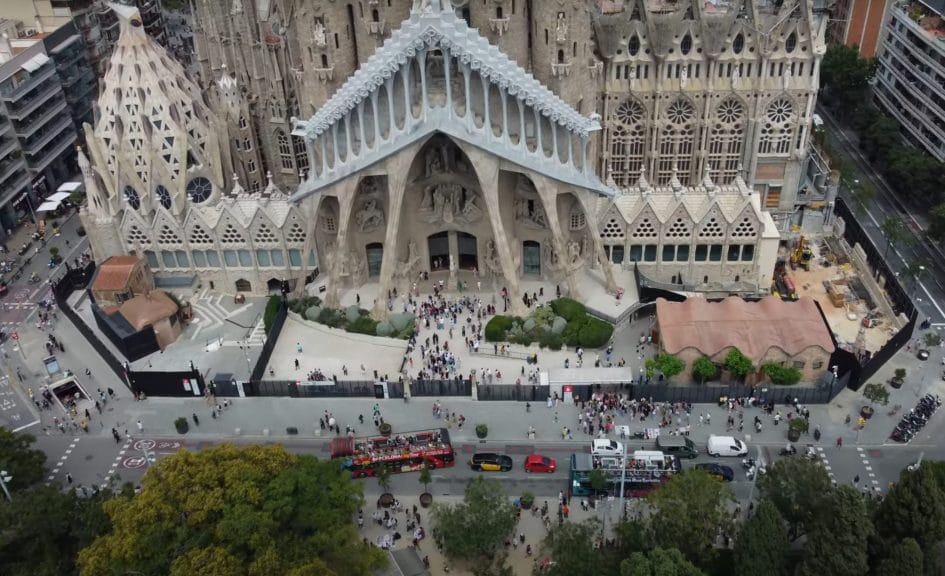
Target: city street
930,289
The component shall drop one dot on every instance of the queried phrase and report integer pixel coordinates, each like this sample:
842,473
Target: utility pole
623,479
4,478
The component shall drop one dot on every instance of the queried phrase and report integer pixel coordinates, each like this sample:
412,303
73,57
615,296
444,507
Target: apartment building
910,81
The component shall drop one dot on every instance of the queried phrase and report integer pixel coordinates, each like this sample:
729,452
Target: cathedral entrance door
531,257
375,256
468,251
439,248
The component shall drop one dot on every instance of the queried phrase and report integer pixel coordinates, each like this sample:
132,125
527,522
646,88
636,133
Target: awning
58,197
47,206
69,187
35,63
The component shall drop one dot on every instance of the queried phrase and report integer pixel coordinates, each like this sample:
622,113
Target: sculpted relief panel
450,203
370,216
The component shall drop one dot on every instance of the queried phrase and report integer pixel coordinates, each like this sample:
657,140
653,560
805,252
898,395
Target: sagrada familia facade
376,139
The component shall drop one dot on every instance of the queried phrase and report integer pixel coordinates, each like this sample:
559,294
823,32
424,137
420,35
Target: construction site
825,268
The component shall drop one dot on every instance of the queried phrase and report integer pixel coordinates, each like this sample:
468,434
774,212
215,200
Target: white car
606,447
726,446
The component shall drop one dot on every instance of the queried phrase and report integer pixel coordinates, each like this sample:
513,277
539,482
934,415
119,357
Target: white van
726,446
606,447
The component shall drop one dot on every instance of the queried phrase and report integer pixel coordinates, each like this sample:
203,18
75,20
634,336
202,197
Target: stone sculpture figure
370,216
434,162
319,35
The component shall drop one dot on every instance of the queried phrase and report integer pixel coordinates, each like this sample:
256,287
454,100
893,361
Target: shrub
558,325
551,341
876,392
80,231
332,317
529,324
352,313
313,313
272,309
482,430
568,309
401,320
182,425
497,327
782,375
900,374
383,328
291,431
363,325
527,500
595,333
544,316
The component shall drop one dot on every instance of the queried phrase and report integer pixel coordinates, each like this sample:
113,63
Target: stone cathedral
508,139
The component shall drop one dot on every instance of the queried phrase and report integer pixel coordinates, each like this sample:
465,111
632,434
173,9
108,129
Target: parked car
606,447
726,446
678,446
922,354
717,470
490,462
539,463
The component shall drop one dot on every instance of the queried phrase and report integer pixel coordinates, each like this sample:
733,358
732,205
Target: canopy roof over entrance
490,102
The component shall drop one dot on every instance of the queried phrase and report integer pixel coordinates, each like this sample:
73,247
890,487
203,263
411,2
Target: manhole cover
89,457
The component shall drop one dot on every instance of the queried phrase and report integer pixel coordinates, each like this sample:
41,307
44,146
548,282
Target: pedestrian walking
708,419
140,426
69,478
856,479
839,442
701,420
296,363
196,420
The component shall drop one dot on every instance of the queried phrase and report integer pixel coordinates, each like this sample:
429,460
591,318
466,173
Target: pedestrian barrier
271,338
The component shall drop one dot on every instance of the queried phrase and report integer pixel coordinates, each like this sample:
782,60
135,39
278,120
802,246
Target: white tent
69,187
47,206
57,197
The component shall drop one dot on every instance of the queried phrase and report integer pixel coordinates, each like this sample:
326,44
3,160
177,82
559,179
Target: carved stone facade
156,186
699,84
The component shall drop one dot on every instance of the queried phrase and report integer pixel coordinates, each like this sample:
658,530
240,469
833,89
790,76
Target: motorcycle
789,450
748,463
35,279
811,453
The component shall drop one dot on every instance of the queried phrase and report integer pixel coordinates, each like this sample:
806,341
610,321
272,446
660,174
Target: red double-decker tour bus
405,452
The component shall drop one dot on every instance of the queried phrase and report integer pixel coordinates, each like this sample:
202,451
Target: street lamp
4,479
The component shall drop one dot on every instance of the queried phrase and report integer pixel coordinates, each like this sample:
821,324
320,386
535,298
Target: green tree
20,460
845,77
937,222
426,478
782,375
916,174
703,369
738,364
913,508
837,543
905,560
239,512
799,489
762,543
668,364
571,546
878,133
895,232
658,562
599,483
476,529
862,192
688,512
44,528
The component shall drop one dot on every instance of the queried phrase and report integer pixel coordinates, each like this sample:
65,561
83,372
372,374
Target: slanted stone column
548,192
309,209
346,191
397,168
586,199
487,168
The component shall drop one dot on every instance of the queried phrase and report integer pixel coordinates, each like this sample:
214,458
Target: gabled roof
115,273
434,23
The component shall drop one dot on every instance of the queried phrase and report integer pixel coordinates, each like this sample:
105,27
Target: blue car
717,470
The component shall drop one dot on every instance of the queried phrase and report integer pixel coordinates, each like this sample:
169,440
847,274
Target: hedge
272,308
580,329
568,309
497,327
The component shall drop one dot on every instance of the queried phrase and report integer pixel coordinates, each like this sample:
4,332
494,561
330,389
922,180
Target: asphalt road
929,291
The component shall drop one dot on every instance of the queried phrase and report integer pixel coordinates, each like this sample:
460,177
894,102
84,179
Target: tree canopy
798,488
658,562
738,364
476,529
688,512
845,77
703,368
762,544
232,511
914,508
905,560
44,528
20,460
571,545
668,364
837,542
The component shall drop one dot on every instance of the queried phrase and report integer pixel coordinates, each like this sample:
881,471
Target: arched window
627,143
301,153
778,129
633,47
726,140
686,45
677,136
739,43
285,151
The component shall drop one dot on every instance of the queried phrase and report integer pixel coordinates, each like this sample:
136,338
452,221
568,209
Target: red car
539,463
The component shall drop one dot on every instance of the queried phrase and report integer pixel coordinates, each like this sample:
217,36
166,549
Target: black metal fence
132,345
327,389
271,338
455,387
512,392
168,384
78,279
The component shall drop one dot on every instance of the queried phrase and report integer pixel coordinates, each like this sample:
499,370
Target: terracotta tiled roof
143,310
114,273
752,327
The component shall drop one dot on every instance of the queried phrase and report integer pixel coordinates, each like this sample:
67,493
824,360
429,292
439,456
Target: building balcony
561,70
47,155
324,74
4,128
595,68
72,80
16,186
41,75
376,28
27,106
28,127
499,25
38,141
7,145
9,168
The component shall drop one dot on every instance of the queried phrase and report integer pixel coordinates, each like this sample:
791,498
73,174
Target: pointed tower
155,143
236,127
